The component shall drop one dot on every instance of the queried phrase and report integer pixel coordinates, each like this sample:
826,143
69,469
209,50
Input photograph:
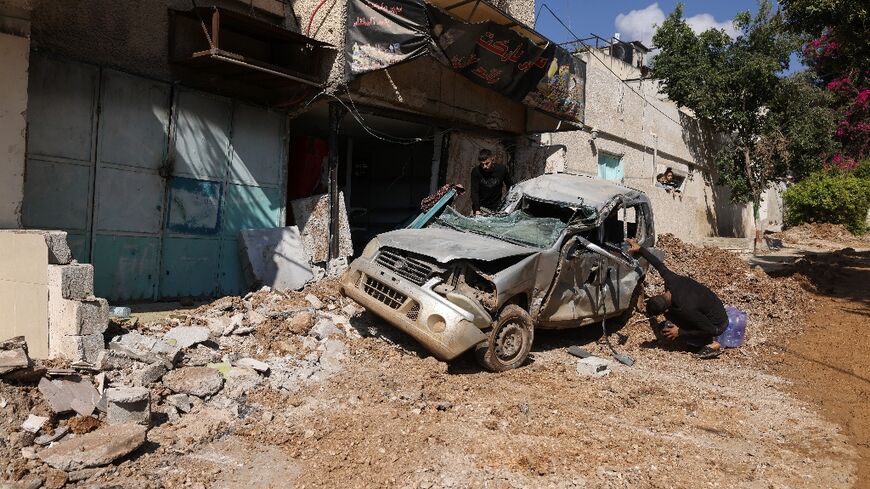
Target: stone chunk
240,380
74,281
33,423
70,394
95,449
182,402
196,381
47,439
325,328
314,301
149,374
254,364
113,360
128,405
146,349
186,336
594,367
13,355
301,322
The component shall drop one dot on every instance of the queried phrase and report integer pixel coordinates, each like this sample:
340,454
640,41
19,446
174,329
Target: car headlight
371,248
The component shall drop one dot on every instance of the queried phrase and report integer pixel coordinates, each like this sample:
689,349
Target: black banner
562,90
490,54
383,33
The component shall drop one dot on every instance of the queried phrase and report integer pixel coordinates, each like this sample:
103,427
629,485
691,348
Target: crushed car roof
576,190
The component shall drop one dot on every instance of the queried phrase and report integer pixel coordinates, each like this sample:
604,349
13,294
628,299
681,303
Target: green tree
731,83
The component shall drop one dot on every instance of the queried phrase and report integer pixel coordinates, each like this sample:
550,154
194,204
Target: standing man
487,179
694,313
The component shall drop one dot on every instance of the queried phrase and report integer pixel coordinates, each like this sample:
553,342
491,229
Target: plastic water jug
735,332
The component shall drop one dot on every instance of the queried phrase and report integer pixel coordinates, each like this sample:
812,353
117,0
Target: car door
621,273
573,294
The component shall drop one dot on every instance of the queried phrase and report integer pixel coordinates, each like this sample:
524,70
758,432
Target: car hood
445,245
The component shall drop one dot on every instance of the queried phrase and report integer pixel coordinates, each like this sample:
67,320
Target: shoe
707,353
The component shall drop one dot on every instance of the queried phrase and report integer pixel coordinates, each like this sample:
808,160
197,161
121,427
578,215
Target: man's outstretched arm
635,248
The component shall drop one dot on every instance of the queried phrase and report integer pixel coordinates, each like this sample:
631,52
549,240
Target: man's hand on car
633,245
671,331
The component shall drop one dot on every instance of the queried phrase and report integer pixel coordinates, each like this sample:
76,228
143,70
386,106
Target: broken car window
517,226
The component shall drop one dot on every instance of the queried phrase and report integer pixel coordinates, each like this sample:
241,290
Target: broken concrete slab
113,360
13,355
234,323
186,336
254,364
128,405
95,449
33,423
196,381
594,367
70,394
275,257
182,402
241,380
74,281
313,217
146,349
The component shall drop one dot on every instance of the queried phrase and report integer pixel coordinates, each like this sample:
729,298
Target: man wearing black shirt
693,312
487,179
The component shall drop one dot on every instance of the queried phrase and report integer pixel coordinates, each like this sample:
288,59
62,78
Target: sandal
707,353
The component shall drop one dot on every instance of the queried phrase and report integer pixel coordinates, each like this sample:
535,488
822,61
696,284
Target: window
624,223
610,167
670,179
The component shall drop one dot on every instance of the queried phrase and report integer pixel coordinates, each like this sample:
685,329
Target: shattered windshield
517,227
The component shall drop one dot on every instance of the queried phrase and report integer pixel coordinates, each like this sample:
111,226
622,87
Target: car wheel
509,341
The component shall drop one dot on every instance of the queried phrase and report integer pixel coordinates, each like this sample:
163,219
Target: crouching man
694,314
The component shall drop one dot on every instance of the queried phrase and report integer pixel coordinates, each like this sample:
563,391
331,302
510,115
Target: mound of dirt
818,231
775,306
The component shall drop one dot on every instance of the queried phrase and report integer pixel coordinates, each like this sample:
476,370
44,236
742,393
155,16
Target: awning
245,51
474,38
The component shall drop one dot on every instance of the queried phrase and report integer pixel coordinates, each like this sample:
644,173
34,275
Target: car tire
509,341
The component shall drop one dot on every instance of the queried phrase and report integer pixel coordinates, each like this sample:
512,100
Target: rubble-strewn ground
350,402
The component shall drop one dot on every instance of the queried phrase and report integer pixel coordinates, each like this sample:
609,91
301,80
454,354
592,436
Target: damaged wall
650,135
14,60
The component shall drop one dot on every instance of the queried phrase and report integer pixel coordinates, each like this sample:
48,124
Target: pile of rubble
77,421
775,306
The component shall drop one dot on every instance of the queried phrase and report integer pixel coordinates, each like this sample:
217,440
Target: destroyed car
553,257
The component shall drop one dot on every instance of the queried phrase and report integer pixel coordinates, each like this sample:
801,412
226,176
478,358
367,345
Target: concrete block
72,317
128,405
594,367
74,281
76,347
149,374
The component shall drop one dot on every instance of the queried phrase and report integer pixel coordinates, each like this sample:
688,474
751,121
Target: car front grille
415,270
381,292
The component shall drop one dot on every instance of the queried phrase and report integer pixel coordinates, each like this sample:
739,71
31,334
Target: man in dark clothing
487,179
694,313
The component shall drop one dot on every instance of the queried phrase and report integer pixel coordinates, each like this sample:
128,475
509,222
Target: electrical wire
592,52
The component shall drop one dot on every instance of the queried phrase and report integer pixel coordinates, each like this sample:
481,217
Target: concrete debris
594,367
33,423
241,380
49,438
70,394
113,360
196,381
13,355
222,367
76,347
128,405
201,356
257,365
313,217
186,336
314,301
325,328
149,374
146,349
235,323
95,449
182,402
301,322
275,257
74,281
26,483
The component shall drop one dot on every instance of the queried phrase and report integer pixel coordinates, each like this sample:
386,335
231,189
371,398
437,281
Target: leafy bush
831,196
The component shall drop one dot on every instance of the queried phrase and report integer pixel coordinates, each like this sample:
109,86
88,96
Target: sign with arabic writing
490,54
383,33
562,89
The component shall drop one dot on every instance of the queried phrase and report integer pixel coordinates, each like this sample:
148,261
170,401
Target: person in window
669,183
662,183
693,312
487,180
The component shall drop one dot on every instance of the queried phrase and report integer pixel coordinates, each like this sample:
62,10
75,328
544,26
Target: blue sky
636,20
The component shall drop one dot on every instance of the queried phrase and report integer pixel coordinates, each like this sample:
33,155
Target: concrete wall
14,54
650,134
14,61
